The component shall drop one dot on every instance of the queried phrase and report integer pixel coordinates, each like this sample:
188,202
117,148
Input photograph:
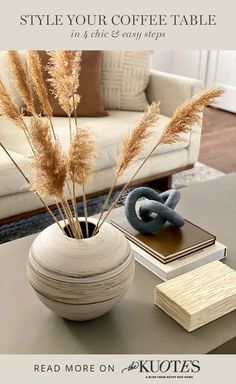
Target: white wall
222,73
185,63
162,60
214,68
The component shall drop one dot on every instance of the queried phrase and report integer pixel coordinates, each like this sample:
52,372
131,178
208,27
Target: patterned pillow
125,76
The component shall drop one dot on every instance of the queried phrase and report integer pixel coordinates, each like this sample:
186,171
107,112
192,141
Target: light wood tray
200,296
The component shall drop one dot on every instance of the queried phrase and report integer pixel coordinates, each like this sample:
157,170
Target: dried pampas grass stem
132,144
34,64
49,160
81,162
22,80
29,184
81,156
9,109
188,115
64,71
135,139
51,167
182,121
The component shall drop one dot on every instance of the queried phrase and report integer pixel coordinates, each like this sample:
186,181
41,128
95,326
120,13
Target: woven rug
40,221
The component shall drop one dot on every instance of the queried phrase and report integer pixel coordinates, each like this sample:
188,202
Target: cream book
177,267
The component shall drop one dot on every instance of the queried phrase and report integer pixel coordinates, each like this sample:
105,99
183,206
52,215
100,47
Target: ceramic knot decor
161,204
80,279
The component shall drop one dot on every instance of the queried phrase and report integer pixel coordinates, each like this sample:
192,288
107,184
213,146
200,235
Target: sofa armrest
171,90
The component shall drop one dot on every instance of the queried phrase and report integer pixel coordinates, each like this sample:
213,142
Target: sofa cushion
16,203
108,133
11,181
125,76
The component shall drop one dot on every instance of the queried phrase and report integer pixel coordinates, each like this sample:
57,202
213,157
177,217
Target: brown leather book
169,243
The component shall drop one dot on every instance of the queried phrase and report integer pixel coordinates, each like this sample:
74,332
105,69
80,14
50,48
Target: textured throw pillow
125,76
90,89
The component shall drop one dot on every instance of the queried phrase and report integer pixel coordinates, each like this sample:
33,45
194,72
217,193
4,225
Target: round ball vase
80,279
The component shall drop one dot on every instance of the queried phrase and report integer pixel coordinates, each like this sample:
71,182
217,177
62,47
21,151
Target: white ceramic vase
80,279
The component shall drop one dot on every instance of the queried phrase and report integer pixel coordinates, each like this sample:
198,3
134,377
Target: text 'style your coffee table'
135,325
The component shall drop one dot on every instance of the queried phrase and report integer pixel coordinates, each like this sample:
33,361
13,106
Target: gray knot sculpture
162,204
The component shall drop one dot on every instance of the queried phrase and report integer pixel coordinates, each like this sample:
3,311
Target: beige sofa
171,90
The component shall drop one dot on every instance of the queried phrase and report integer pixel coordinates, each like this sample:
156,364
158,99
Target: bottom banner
117,369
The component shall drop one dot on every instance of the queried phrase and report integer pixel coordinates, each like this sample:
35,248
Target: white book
185,264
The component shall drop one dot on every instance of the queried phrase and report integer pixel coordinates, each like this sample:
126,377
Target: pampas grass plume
187,115
34,64
49,160
81,156
22,81
9,109
135,139
64,70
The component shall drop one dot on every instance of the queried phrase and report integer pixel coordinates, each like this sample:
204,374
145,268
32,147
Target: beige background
218,368
221,36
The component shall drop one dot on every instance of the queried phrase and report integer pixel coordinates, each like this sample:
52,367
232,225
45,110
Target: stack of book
172,251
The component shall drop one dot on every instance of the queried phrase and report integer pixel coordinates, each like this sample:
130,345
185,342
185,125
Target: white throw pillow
125,76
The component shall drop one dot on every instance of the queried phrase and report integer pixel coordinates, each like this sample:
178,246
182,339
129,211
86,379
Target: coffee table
135,325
